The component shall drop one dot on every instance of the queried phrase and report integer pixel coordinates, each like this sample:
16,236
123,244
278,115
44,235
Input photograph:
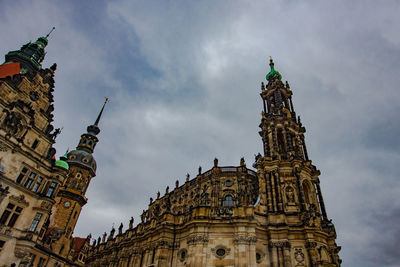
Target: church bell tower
290,193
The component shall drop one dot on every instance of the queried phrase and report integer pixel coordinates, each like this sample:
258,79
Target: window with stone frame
51,189
35,222
30,179
228,201
41,262
10,215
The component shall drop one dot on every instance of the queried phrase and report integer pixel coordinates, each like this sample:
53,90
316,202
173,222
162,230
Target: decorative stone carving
310,245
3,147
311,216
45,205
247,240
12,123
299,256
197,239
20,200
279,244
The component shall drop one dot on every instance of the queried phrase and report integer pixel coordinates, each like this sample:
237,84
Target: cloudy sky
183,78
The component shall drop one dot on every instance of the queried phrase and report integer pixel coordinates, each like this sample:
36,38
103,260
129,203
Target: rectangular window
12,210
22,175
51,189
35,222
28,183
30,180
35,144
33,257
41,262
37,184
6,213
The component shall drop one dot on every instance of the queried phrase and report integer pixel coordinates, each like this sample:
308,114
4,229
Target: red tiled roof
78,244
9,69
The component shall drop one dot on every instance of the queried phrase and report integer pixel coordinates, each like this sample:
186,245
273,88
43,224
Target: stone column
274,254
286,255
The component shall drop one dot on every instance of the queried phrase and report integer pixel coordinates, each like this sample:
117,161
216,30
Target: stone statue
242,163
199,170
176,184
104,237
55,134
290,195
187,177
167,190
98,241
120,229
215,162
94,243
143,216
158,194
131,223
112,232
151,200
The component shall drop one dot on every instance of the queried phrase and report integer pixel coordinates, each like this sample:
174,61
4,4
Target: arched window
228,201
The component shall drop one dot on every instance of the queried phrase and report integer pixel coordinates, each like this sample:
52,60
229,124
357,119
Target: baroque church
271,213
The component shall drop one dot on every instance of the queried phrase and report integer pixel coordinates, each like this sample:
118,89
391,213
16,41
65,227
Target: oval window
220,252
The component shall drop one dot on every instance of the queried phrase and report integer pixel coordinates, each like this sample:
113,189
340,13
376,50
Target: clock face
67,204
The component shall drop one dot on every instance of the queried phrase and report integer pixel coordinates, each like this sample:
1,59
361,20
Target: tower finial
50,32
273,73
101,112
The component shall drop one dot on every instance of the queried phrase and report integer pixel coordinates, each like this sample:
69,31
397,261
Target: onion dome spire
31,55
273,74
89,140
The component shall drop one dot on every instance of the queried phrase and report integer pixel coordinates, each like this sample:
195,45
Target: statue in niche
290,194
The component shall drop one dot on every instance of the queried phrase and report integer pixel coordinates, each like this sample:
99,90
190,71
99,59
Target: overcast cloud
184,78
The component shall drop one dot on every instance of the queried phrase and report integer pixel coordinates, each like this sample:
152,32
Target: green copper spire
273,74
31,55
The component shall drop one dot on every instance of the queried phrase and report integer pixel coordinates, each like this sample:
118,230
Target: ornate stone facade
234,216
34,188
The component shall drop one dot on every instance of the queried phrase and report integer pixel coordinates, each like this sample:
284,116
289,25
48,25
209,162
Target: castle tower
290,194
71,197
30,176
